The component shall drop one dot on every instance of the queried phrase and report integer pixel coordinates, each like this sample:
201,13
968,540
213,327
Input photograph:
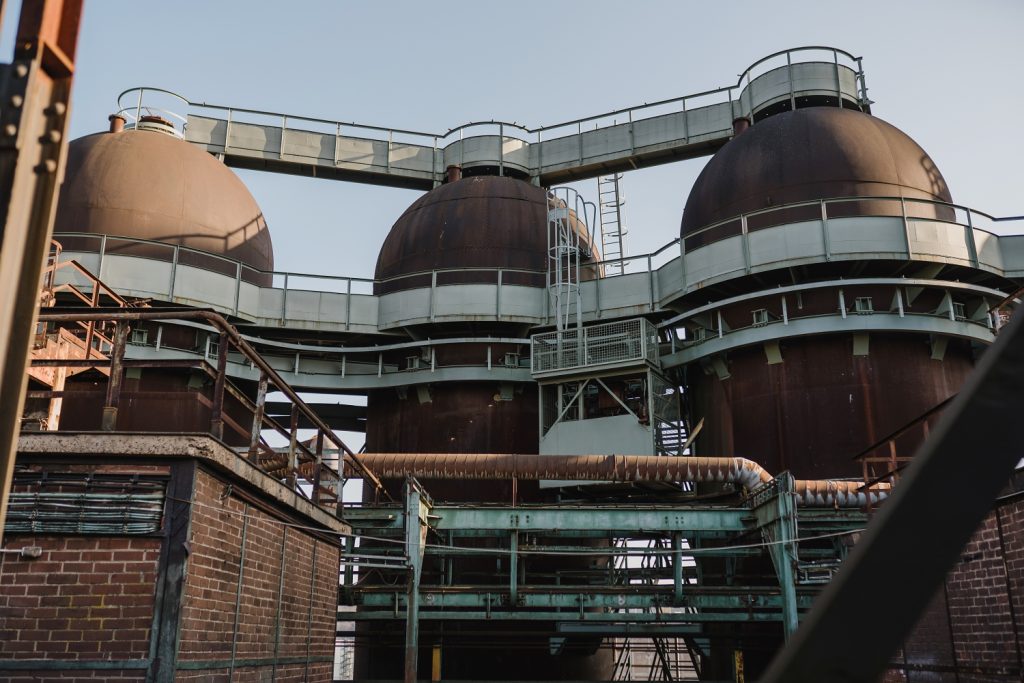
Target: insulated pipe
620,468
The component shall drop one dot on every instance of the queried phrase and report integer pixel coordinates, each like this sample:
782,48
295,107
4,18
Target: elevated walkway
635,137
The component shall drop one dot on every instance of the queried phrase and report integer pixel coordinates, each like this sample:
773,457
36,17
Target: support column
170,582
775,510
417,508
109,421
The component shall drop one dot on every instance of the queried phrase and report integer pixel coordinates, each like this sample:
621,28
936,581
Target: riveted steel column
36,90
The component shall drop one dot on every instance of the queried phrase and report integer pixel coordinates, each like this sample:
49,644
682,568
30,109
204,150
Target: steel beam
609,520
866,612
561,597
503,615
35,91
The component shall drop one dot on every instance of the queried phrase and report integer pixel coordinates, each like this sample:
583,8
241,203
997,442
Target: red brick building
162,557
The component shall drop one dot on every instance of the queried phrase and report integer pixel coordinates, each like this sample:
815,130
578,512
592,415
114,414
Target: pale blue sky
948,73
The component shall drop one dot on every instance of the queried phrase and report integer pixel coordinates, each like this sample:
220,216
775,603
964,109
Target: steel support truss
425,541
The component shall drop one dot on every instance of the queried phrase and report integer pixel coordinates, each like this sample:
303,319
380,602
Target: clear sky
948,73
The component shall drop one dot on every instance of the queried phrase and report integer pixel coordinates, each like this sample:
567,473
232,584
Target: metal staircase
613,232
655,658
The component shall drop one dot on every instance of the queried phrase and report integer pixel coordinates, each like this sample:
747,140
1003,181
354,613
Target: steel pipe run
614,468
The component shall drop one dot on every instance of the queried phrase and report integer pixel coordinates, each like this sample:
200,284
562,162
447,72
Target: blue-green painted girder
585,616
609,520
761,598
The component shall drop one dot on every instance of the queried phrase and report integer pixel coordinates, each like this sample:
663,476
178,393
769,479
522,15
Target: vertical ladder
613,232
567,216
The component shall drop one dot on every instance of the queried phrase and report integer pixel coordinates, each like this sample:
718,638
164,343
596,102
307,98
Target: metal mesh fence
615,342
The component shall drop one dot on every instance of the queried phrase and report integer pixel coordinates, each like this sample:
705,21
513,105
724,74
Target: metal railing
180,257
130,106
609,343
907,210
303,466
131,102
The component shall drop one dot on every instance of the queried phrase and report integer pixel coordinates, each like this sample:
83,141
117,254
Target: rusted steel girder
227,329
35,90
618,468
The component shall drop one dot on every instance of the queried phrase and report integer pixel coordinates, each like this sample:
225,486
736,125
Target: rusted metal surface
815,411
147,185
476,222
216,413
813,153
113,398
906,552
619,468
117,122
36,92
122,316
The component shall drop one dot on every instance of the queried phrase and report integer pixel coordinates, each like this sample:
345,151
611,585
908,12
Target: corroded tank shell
153,186
821,405
482,222
810,154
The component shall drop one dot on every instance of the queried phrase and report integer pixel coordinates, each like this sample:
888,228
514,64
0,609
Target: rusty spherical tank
821,404
153,186
810,154
483,222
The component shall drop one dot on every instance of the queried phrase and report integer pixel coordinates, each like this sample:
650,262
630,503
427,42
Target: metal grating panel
620,342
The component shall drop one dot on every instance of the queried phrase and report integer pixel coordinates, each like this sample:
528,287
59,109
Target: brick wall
973,632
288,610
85,599
91,598
985,599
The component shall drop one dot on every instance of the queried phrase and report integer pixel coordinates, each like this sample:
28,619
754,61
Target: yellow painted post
435,663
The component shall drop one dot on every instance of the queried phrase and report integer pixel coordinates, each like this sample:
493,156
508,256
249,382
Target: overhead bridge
635,137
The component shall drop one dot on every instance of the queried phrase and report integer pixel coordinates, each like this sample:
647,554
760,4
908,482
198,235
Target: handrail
511,125
594,264
236,339
804,48
847,199
138,107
